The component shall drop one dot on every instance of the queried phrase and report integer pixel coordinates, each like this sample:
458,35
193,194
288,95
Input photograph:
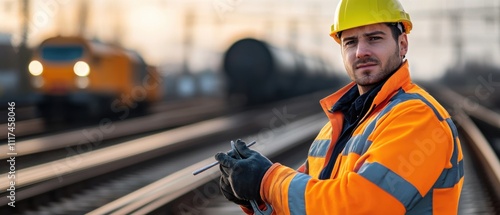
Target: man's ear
403,44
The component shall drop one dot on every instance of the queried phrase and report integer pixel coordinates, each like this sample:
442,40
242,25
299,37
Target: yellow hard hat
355,13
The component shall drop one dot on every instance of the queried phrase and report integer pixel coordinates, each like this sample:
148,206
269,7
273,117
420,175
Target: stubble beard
370,78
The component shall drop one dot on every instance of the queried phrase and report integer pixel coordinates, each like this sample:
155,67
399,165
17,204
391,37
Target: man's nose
363,50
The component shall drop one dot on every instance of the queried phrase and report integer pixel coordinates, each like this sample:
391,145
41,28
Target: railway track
166,186
107,129
63,145
52,183
481,191
479,130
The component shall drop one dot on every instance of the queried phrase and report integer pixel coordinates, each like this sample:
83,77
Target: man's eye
375,38
350,42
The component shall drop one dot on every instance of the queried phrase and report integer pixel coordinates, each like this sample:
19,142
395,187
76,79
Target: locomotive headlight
35,68
81,69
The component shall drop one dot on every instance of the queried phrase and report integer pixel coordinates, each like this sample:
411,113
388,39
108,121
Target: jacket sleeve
409,149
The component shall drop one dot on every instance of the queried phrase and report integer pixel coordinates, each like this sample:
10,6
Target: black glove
245,174
227,191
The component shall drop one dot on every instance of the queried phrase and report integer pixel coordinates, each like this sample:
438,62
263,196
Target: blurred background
89,74
192,35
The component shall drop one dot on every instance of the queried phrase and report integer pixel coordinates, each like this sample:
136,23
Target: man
389,147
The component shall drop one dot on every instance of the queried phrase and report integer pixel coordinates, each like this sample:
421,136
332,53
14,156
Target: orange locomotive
80,77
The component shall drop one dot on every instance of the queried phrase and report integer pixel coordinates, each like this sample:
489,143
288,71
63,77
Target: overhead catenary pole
83,17
457,38
118,22
24,54
187,39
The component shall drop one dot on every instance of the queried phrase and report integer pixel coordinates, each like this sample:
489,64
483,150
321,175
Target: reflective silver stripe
296,194
391,182
319,148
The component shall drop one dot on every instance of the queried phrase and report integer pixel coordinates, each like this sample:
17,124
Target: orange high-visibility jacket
403,158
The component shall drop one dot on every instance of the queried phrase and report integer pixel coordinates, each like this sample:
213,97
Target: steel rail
482,151
24,127
469,106
119,128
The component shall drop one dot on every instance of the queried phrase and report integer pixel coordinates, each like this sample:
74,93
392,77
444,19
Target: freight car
77,77
261,73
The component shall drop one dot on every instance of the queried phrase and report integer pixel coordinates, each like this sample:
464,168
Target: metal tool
198,171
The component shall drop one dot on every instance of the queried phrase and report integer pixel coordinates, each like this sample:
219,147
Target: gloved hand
245,174
227,191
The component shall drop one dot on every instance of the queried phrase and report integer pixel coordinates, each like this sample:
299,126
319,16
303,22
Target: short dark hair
397,28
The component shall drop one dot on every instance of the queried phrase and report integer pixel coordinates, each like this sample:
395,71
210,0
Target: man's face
370,53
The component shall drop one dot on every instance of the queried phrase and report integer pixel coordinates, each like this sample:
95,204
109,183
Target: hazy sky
157,28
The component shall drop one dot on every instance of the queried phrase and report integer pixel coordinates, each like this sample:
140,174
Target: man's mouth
364,65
